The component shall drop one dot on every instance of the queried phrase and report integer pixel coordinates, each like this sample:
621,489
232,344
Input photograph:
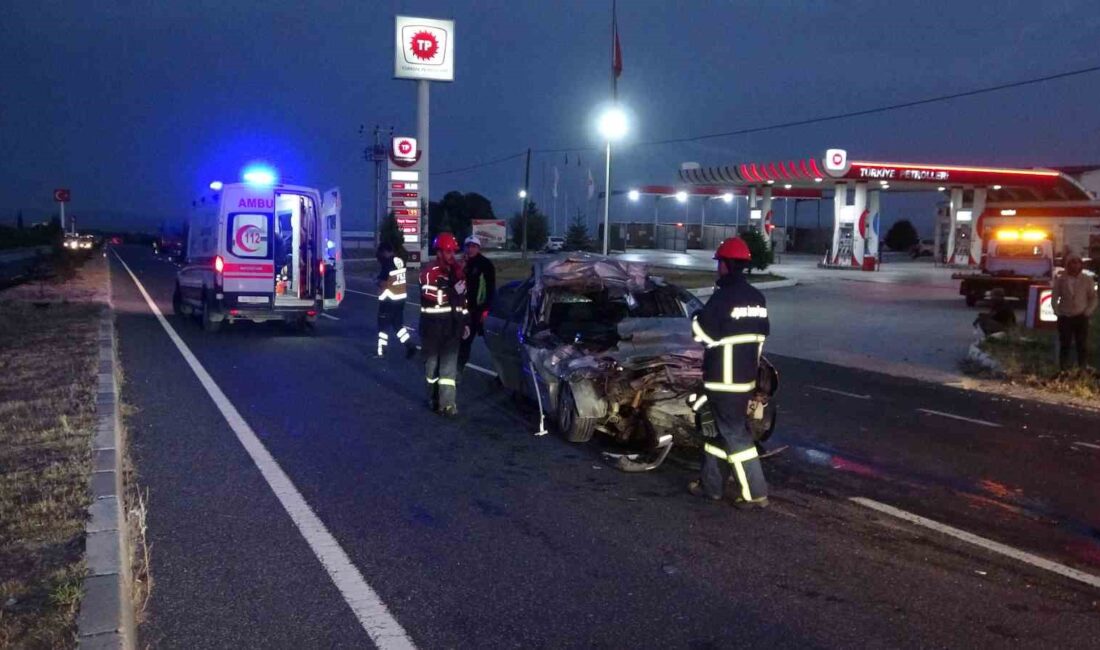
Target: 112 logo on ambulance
249,235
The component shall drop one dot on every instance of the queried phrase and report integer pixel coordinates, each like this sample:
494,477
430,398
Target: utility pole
526,199
377,155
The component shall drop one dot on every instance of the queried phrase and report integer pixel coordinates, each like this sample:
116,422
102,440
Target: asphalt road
475,533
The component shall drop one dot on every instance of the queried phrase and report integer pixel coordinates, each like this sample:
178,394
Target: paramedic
481,284
732,326
391,301
443,322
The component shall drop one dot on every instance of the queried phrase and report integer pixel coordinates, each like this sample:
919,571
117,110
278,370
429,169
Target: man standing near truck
1074,302
732,326
443,323
481,284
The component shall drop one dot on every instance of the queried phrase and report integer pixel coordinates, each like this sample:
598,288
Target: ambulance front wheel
211,321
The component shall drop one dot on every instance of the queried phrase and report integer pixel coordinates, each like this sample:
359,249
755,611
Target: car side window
505,300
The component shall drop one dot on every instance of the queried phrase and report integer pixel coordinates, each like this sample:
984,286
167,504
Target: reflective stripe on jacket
732,326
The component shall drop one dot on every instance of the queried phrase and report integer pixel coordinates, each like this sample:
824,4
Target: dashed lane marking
329,316
1085,444
368,607
984,423
838,392
987,544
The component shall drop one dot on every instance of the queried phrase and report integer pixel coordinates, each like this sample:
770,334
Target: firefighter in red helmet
443,323
732,326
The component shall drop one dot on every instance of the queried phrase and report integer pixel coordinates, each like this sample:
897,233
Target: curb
106,618
706,292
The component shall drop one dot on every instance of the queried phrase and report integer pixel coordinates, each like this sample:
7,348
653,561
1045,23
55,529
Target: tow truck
1015,260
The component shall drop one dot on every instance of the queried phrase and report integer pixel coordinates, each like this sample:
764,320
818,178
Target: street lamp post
612,126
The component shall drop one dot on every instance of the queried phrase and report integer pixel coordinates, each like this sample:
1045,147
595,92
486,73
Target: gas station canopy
977,198
1003,183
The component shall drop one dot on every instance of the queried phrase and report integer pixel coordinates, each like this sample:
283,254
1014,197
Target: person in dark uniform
733,326
481,284
443,323
391,301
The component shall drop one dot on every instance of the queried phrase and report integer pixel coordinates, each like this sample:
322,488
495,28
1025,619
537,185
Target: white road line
361,293
984,423
838,392
1076,444
329,316
989,545
368,607
484,371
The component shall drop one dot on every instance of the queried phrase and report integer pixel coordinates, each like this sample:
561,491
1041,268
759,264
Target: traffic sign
61,195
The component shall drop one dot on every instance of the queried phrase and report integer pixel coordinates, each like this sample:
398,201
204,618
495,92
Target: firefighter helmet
445,241
733,248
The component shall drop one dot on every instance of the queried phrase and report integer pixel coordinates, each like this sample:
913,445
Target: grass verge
1030,358
48,365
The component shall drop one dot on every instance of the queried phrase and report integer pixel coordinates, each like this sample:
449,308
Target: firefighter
481,283
732,326
443,323
391,301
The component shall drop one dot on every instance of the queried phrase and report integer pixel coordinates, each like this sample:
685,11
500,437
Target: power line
880,109
803,122
479,165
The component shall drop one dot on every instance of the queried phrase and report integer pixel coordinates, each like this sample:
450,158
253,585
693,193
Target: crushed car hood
647,343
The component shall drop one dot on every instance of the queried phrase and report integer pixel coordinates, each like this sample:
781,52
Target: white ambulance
261,251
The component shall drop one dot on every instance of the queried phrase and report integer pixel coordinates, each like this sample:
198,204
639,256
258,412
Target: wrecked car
602,346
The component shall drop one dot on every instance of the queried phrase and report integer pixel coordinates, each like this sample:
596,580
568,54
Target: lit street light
633,195
612,125
523,194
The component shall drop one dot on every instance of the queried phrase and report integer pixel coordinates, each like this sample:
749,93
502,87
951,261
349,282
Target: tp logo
836,161
424,45
404,148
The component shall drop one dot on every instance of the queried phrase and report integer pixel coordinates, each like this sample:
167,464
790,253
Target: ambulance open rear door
332,257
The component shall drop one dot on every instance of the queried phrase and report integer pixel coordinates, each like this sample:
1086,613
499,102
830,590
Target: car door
332,256
502,328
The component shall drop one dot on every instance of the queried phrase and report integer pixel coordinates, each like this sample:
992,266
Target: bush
538,229
759,248
902,236
576,238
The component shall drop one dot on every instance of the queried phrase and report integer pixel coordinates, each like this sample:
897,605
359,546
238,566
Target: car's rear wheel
177,302
572,426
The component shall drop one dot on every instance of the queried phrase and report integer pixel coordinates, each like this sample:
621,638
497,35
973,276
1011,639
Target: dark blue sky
137,105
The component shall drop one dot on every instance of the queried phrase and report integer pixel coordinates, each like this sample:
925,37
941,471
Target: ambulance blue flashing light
259,176
216,186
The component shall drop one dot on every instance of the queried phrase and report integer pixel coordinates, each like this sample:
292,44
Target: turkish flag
617,51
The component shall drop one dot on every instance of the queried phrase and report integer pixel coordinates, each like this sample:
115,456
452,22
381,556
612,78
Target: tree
390,233
538,229
759,248
902,236
455,212
576,237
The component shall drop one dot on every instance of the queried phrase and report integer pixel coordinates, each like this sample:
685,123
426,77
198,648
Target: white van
262,252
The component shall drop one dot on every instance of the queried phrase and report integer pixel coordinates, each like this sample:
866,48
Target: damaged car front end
602,346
